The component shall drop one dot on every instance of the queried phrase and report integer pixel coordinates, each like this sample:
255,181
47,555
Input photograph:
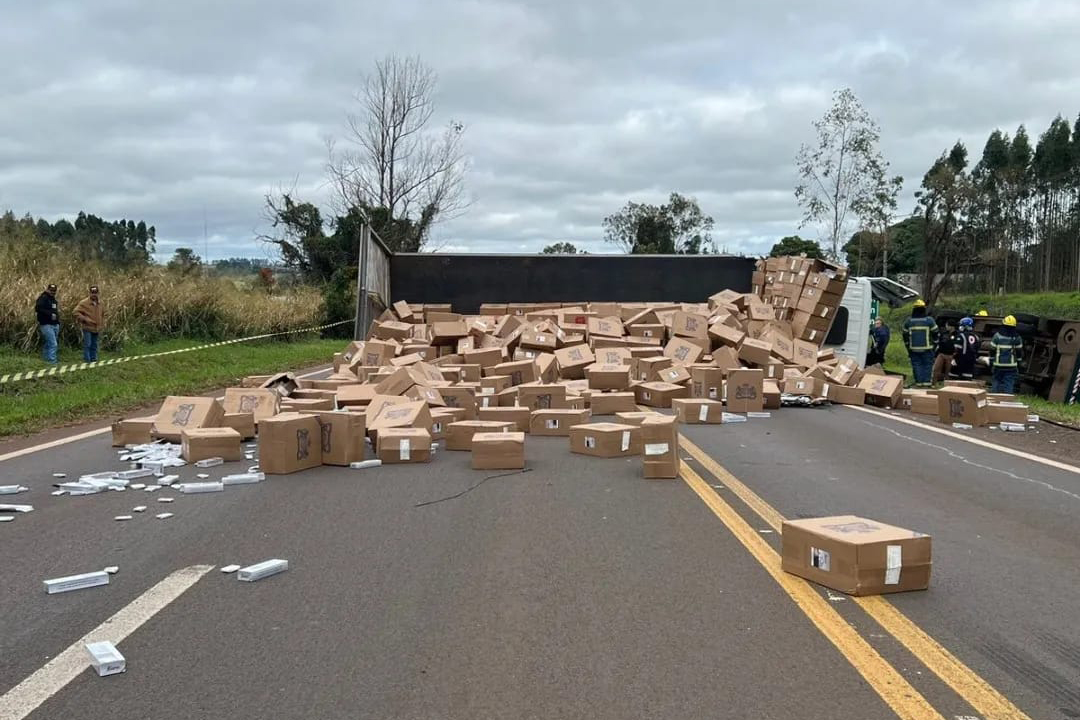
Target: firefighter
982,313
920,336
1005,351
967,349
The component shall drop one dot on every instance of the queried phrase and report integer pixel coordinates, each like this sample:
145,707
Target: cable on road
469,489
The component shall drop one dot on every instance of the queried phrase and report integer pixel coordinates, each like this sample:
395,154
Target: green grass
31,405
1051,305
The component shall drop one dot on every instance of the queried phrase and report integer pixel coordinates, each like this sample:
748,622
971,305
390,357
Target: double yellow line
898,693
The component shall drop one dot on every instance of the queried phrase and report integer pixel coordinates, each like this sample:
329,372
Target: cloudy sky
165,111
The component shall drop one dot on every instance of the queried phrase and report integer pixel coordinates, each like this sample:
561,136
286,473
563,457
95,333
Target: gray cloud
164,111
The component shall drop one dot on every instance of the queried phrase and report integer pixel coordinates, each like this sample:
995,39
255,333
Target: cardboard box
605,327
659,394
770,394
723,334
608,377
856,556
494,384
556,422
441,418
375,353
342,436
392,330
484,357
805,354
201,443
727,359
963,405
706,382
260,402
1007,412
133,431
541,396
180,413
430,395
845,395
606,440
396,383
676,375
612,356
459,434
698,411
804,386
538,339
243,423
406,414
660,447
610,403
882,390
573,360
404,445
520,372
289,443
755,352
683,351
448,333
355,395
649,368
303,405
282,383
651,331
518,416
498,451
745,391
637,417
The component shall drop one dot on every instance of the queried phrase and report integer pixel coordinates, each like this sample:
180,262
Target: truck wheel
1068,341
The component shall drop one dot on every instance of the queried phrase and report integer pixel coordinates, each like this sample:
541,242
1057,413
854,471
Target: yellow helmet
919,303
1010,321
982,313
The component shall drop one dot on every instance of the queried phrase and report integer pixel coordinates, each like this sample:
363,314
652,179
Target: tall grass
141,304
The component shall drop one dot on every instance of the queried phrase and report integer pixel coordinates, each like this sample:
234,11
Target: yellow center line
897,692
978,693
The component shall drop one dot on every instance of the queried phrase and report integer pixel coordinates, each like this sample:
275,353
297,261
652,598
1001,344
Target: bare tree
836,175
877,207
392,160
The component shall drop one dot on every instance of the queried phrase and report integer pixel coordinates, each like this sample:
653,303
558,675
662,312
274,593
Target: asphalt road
575,590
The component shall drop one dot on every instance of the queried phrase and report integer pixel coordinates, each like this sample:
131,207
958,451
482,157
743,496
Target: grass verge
33,405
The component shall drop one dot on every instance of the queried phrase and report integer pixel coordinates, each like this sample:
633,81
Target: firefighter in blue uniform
967,349
1005,351
920,336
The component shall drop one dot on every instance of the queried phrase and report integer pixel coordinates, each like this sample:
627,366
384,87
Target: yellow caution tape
75,367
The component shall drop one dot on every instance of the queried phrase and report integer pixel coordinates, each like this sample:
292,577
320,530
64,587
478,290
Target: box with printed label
604,403
605,327
518,416
882,390
537,396
306,404
745,391
556,422
405,414
648,368
755,352
498,451
606,440
404,445
723,334
494,384
698,411
706,382
855,555
573,360
608,377
288,443
684,324
660,447
133,431
770,394
202,443
186,413
1007,412
844,395
683,350
659,394
260,402
459,434
519,372
963,405
676,375
243,423
805,386
342,437
441,417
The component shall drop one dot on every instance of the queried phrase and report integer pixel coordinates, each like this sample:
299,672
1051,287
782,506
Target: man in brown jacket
91,318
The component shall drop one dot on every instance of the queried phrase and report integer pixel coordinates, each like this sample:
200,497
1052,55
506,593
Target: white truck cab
850,332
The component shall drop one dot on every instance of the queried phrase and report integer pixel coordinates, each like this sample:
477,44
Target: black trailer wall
466,281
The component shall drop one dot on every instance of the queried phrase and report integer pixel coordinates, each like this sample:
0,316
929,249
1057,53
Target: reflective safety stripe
920,338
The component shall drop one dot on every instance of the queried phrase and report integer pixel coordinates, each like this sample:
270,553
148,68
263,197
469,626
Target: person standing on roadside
967,349
48,319
879,341
920,336
946,351
1005,351
91,318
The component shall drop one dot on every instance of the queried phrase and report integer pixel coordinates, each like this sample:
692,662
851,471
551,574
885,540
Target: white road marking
51,678
91,433
974,441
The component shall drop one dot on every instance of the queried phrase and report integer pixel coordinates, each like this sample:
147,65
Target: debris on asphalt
165,499
59,475
961,426
137,486
16,508
76,582
243,478
134,474
258,571
364,464
139,508
209,462
122,517
112,569
199,487
12,489
168,479
1013,427
6,518
163,516
230,569
58,493
105,658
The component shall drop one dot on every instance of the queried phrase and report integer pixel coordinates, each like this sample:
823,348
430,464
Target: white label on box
894,559
486,402
825,390
655,448
813,335
703,413
819,559
590,442
539,338
645,395
625,440
551,424
404,449
436,427
712,393
487,391
646,333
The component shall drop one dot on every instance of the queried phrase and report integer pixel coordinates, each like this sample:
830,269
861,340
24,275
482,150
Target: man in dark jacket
879,341
920,336
1005,351
945,350
967,349
48,318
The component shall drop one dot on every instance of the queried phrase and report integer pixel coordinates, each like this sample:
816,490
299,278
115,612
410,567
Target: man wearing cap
91,318
48,318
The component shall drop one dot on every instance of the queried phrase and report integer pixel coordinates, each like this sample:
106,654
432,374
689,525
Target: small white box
266,568
76,582
105,658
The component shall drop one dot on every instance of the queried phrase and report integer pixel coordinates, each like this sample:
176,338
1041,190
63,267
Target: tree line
123,243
